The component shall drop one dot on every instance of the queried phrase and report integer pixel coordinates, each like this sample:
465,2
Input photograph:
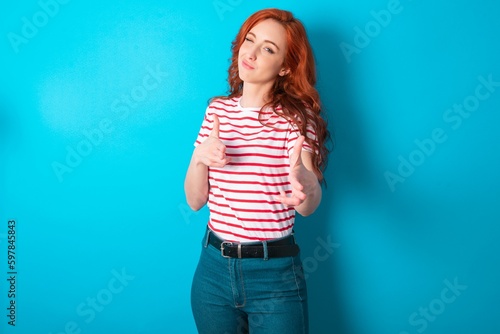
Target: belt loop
266,255
207,238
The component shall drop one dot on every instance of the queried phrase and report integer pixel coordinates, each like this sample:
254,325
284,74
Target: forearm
196,184
312,200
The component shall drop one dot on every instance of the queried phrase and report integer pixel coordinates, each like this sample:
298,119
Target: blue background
108,243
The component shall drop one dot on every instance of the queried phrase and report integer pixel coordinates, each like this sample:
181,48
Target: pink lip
247,65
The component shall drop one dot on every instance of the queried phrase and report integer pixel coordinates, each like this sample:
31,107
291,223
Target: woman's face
261,56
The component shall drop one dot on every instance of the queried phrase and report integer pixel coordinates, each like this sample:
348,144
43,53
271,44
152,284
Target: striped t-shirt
241,196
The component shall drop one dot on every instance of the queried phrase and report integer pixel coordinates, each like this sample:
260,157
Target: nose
252,53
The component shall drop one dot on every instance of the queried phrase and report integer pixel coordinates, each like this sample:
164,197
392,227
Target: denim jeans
256,296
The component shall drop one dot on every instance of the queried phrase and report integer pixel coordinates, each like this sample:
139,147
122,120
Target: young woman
258,160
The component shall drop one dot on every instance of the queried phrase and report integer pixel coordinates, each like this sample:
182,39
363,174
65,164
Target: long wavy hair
295,91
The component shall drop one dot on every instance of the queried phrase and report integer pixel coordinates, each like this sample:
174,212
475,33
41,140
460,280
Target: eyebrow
266,40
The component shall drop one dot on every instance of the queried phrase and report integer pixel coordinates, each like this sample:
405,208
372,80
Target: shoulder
223,102
223,106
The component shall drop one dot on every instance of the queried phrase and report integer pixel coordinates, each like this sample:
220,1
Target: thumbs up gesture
302,180
212,152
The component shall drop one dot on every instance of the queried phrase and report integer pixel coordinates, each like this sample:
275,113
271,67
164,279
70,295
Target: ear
284,71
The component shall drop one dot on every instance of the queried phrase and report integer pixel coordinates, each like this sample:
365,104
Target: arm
196,183
306,190
210,153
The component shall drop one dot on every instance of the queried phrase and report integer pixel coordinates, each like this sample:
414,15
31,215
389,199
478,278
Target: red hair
295,91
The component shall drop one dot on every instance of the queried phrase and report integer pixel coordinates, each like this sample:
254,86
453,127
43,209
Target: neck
254,95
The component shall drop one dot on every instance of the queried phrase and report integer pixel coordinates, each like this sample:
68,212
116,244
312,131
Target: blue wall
100,104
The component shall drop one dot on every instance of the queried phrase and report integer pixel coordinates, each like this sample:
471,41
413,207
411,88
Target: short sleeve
206,128
295,133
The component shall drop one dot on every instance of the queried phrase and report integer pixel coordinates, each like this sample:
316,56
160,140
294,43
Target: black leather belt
275,248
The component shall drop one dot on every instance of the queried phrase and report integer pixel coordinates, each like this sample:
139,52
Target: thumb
215,128
296,159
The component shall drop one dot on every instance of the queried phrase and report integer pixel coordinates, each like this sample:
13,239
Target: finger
222,159
294,200
214,144
281,197
219,150
215,128
299,194
295,183
297,188
218,162
288,201
297,150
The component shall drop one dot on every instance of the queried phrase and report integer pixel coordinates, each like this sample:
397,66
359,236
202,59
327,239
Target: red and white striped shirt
241,198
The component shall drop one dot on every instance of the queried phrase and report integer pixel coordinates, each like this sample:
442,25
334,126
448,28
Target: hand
301,179
212,152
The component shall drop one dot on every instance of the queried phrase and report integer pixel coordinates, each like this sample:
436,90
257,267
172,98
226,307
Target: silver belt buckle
229,244
222,248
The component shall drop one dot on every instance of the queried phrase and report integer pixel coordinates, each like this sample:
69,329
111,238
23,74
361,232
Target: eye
269,50
248,39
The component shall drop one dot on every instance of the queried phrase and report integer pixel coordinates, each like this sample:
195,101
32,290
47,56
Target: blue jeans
236,296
